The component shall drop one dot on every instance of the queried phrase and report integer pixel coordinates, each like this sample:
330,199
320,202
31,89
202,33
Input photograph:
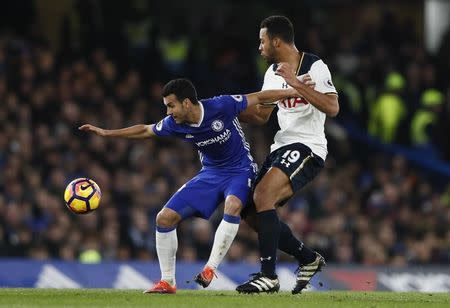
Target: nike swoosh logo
85,187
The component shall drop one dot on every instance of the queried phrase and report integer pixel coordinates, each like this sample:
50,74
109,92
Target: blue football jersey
218,136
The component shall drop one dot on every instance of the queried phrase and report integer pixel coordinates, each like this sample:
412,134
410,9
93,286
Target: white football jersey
300,121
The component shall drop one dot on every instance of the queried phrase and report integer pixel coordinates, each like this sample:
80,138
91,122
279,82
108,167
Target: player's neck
291,55
195,115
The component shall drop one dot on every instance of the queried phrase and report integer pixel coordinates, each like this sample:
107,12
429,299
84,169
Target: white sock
225,234
166,247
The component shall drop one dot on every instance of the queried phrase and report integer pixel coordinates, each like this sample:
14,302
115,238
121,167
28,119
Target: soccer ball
82,196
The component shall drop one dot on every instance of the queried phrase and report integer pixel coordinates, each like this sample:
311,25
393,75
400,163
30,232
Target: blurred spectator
90,250
425,121
389,111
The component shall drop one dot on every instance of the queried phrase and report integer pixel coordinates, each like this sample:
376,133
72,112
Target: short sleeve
272,81
233,104
165,127
269,82
321,75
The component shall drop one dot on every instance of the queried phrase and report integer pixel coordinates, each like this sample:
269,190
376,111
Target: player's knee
166,219
233,206
233,210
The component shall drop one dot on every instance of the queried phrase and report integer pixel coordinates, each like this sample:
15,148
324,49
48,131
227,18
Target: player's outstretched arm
260,105
135,131
256,114
267,97
327,103
259,114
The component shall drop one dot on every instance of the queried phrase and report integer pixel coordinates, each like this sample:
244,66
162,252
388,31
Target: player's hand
306,79
94,129
293,92
287,72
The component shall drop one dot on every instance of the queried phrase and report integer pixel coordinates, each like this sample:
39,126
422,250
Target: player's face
266,47
175,108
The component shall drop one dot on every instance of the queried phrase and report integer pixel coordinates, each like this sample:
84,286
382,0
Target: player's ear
276,42
186,102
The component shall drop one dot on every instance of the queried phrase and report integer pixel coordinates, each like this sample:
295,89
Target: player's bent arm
135,131
327,103
256,114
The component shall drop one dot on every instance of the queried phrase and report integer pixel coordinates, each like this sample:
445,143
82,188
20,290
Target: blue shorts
203,194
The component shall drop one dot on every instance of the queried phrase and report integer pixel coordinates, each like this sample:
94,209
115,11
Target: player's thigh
198,197
309,168
271,190
298,164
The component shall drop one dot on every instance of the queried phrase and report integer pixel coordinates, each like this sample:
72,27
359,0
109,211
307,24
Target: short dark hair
279,26
182,88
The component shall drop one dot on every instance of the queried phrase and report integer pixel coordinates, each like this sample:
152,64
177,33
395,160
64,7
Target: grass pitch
215,299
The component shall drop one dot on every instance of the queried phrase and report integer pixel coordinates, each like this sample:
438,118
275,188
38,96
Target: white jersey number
290,157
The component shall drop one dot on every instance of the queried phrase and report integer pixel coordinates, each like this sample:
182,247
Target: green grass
204,299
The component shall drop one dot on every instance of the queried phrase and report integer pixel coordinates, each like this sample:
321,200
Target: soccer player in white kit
297,154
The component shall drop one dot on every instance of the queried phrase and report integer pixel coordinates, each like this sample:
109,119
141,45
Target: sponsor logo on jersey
217,125
222,138
189,136
293,102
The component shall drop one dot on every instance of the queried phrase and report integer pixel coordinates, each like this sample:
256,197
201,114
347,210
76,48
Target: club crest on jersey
217,125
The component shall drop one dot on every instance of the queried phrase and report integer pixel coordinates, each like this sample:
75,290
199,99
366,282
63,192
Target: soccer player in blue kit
228,171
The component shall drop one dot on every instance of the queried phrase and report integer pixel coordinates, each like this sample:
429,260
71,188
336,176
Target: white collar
202,114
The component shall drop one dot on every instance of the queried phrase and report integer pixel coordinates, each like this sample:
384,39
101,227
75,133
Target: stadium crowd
365,207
